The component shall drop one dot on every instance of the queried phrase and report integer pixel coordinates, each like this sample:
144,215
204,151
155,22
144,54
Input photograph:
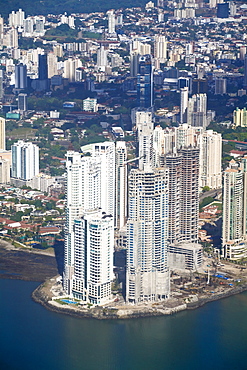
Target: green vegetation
58,6
205,202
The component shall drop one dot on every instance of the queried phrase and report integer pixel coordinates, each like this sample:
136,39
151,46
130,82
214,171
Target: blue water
213,337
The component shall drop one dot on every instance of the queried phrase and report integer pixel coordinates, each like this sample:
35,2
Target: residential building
210,144
240,117
25,160
93,258
121,185
90,186
147,277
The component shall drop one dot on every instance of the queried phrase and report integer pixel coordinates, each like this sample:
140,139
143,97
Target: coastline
171,306
36,265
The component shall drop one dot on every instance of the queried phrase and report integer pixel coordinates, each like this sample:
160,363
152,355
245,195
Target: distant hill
44,7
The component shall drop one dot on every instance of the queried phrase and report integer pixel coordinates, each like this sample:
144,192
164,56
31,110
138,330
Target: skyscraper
184,96
121,185
144,129
145,82
210,144
90,186
147,276
43,67
174,166
25,160
93,257
189,194
111,21
234,211
22,102
2,134
20,76
160,50
197,111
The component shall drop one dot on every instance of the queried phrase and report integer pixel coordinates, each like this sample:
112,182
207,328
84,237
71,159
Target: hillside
70,6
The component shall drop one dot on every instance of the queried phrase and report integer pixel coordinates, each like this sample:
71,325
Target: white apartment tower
102,58
184,96
197,110
93,257
147,276
121,185
25,160
82,194
160,50
210,144
111,21
90,186
144,130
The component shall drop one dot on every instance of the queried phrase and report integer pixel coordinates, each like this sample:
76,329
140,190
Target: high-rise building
22,103
93,257
147,277
184,96
16,19
174,166
25,160
220,86
4,171
1,85
2,134
234,211
90,186
52,64
20,76
160,50
240,117
197,111
210,144
70,67
121,185
145,82
223,10
183,167
102,58
111,21
144,130
137,48
43,67
11,38
189,215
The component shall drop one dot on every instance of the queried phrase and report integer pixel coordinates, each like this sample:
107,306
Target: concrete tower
147,276
93,258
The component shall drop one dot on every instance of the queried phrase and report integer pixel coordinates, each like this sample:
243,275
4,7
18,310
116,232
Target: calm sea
31,338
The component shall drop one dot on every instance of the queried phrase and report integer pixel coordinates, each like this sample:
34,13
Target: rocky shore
44,295
36,265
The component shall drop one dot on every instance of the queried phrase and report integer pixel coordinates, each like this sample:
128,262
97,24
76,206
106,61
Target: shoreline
170,307
36,265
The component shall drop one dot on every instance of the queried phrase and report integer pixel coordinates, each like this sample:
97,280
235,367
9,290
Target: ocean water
33,338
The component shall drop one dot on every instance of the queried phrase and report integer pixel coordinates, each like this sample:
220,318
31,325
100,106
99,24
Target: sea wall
126,312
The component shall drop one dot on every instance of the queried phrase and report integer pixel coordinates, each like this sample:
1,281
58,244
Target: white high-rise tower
90,186
147,276
93,265
25,160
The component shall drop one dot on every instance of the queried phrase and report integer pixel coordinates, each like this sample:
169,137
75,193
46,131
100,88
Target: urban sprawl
125,131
